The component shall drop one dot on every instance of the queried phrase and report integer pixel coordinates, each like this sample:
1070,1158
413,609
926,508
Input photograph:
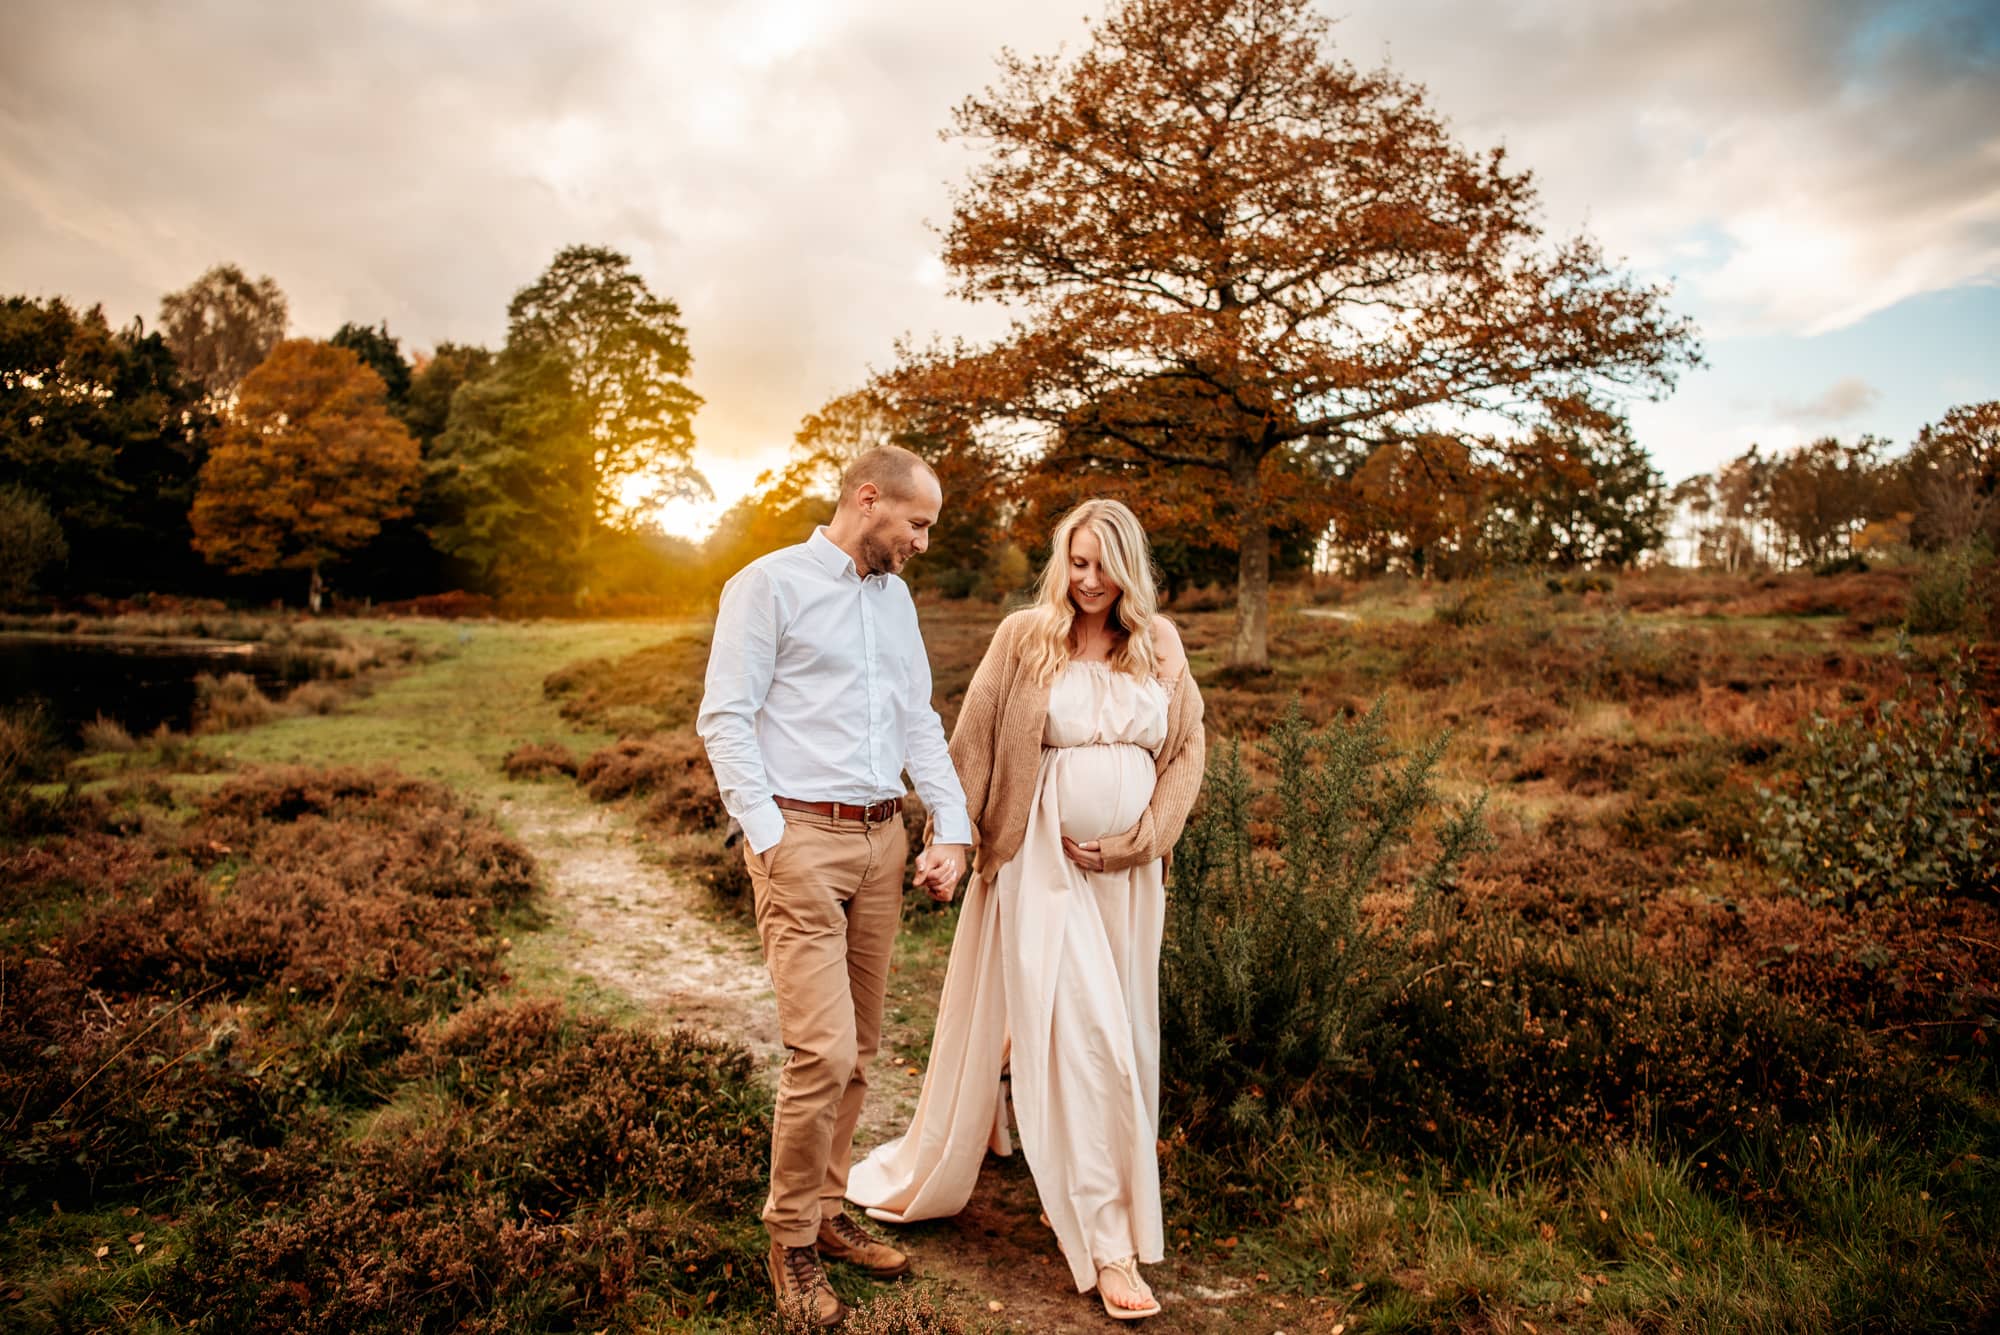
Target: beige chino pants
829,896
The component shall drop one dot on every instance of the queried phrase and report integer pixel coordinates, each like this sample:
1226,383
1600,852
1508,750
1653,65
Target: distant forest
214,456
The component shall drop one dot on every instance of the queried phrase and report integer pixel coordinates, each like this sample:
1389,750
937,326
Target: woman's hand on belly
1086,855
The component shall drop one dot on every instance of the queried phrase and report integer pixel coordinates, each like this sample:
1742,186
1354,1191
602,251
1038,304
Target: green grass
452,718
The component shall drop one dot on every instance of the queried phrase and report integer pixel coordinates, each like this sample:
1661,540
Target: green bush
1269,975
31,540
1896,804
1946,597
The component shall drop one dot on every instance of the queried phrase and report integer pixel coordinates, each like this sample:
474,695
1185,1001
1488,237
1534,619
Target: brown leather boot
841,1239
800,1281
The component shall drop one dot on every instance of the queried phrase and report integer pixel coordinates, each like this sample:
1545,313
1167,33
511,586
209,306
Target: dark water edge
140,683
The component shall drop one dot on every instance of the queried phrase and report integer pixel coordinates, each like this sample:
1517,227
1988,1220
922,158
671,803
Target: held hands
1088,855
939,868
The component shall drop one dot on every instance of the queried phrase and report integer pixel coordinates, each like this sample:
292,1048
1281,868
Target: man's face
896,528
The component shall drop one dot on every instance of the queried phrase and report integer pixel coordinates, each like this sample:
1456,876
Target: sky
1818,180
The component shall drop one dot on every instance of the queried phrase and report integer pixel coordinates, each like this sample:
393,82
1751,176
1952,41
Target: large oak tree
307,467
1205,197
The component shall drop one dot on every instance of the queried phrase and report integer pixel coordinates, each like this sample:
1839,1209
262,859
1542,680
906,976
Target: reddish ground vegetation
539,760
654,690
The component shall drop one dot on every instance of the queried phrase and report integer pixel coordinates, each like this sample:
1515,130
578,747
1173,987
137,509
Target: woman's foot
1125,1296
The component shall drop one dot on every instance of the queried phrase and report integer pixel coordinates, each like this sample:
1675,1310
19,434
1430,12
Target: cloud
1850,396
1831,157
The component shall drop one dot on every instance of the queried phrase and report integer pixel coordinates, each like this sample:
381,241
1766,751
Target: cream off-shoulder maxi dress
1065,963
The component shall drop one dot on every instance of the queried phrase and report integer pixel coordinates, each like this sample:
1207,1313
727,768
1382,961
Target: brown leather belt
873,813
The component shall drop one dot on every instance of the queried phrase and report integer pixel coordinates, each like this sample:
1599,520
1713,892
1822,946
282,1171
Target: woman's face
1090,586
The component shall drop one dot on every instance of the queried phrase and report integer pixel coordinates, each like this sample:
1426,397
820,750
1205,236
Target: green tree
433,382
1584,498
513,475
103,428
30,542
307,468
627,355
381,353
1821,494
222,326
1203,194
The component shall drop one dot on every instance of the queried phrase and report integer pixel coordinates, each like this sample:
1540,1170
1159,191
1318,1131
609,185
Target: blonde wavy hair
1128,560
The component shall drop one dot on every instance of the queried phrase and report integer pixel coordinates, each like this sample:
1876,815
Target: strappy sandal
1127,1271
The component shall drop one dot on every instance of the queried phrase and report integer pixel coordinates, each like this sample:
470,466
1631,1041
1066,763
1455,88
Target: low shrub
1947,596
1549,1044
231,701
654,690
1271,980
269,954
539,760
107,734
314,697
672,767
568,1170
1898,802
903,1310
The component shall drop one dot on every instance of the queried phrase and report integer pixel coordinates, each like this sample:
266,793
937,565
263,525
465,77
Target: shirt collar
826,553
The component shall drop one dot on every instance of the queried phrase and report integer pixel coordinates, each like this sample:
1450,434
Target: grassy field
198,924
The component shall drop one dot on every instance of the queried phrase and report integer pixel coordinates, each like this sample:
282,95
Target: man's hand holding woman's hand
939,869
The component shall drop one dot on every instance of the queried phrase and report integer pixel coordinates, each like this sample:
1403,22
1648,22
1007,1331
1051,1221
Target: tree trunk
1252,646
314,590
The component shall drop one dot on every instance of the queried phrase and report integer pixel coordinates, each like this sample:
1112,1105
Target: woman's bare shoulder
1167,648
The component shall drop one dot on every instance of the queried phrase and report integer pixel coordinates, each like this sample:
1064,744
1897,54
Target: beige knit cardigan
996,747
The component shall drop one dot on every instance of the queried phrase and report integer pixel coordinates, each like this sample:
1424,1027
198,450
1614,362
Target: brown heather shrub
107,734
902,1310
228,702
1558,1045
654,690
122,1093
1690,592
539,760
314,697
1924,974
1563,875
1874,596
1588,766
270,953
704,860
451,605
574,1168
672,767
1519,710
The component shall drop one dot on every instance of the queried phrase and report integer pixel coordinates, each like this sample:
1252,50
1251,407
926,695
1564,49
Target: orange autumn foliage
307,467
1224,245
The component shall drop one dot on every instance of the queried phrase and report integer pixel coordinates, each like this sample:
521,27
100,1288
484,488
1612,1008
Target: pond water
141,683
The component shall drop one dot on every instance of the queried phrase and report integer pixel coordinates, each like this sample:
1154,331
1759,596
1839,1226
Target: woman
1080,747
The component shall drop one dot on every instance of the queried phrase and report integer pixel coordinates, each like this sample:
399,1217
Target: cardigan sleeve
972,735
1177,781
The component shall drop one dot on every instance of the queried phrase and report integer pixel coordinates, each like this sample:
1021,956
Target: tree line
1833,500
1261,294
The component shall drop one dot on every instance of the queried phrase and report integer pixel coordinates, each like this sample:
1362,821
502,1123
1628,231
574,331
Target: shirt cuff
950,825
763,825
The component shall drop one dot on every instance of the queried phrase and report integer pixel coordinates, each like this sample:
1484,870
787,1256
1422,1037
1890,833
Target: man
818,696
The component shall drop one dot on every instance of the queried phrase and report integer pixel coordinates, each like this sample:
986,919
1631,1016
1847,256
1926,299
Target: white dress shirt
819,689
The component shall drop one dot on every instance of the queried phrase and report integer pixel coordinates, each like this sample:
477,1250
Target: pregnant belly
1100,790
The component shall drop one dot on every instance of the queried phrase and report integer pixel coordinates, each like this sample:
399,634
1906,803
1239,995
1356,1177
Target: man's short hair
891,468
